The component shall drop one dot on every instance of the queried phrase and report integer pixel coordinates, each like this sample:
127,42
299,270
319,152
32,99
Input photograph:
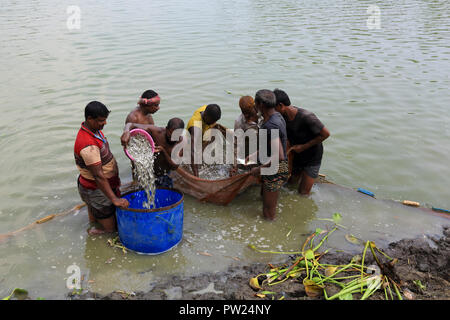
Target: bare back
137,116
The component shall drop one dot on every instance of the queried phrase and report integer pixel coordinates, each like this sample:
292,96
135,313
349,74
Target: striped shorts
274,182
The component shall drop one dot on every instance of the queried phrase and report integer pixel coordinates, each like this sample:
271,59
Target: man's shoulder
306,113
83,140
202,108
136,112
137,116
276,121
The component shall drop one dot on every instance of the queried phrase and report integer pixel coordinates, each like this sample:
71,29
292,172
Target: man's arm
194,132
173,165
104,186
125,138
273,159
323,134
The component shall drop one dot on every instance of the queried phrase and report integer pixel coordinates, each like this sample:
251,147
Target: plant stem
376,258
362,260
397,291
338,271
324,238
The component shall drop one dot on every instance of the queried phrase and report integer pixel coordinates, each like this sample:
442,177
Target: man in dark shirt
274,170
305,134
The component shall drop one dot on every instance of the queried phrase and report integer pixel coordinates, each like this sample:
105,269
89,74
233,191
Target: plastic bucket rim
156,209
146,135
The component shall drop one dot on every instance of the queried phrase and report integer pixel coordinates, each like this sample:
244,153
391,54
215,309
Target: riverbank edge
423,268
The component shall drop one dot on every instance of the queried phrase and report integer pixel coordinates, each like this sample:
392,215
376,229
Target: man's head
172,125
265,99
282,99
95,115
149,102
211,114
248,109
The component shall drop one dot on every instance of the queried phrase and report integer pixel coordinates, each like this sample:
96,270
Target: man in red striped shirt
98,182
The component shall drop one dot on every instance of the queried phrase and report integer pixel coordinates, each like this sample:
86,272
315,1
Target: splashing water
141,151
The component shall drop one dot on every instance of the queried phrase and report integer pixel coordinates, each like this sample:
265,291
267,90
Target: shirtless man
148,104
163,148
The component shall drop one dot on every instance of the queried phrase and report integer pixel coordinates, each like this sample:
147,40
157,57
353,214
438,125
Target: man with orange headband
148,104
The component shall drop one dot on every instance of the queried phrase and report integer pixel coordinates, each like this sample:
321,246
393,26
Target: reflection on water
382,93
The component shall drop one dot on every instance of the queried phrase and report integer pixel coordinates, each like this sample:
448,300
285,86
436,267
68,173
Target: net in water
215,182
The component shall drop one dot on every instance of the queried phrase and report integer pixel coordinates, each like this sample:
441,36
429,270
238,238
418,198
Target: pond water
382,93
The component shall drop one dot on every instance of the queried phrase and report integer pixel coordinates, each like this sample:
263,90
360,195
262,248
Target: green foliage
351,278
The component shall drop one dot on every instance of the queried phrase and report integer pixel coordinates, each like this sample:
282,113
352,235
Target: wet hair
212,112
247,104
282,97
95,110
266,98
149,94
175,123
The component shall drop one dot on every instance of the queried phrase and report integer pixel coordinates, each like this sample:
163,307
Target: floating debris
115,243
369,193
440,210
352,239
411,203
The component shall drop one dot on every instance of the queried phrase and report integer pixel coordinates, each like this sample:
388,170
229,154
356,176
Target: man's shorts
101,206
312,171
274,182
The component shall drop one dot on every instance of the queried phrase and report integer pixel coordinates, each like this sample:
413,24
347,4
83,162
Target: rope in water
40,221
405,202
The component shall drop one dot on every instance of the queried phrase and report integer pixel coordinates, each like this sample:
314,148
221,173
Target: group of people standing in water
298,146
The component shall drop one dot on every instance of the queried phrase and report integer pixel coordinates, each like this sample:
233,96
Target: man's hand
256,171
159,149
125,138
247,160
297,148
121,203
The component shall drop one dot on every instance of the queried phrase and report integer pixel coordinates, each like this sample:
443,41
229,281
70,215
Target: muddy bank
422,271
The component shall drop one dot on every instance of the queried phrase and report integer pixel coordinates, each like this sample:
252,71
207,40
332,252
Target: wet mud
422,272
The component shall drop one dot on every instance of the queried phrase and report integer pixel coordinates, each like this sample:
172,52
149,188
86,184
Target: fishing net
221,191
219,187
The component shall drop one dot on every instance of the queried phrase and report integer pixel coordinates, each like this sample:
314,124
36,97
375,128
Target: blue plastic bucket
151,231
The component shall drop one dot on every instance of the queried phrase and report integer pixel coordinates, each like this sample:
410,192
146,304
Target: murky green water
382,93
